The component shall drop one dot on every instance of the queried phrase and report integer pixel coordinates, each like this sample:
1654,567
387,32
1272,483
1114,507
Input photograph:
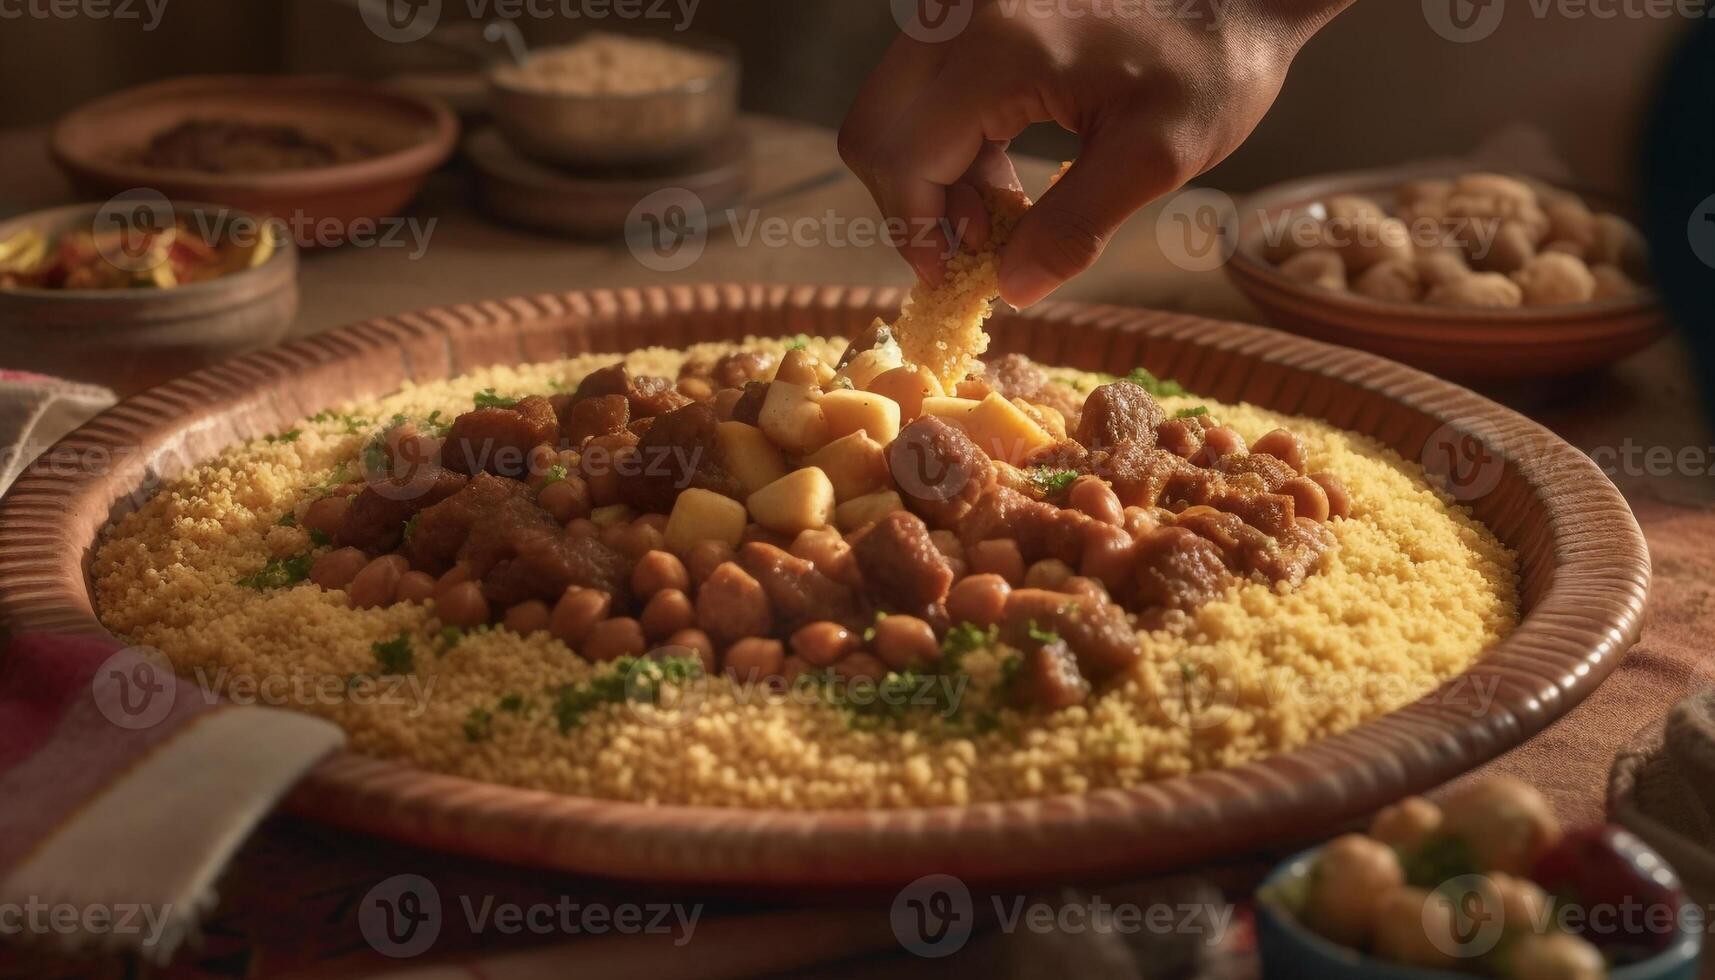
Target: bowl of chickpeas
1486,883
1473,275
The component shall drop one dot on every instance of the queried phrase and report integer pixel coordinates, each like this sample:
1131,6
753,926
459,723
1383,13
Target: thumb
1066,231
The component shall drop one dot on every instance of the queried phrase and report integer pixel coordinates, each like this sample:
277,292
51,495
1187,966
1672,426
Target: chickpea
1109,554
666,613
565,499
1086,587
903,642
1218,442
1339,501
462,605
1049,573
1404,825
1518,904
1441,266
1555,279
704,557
1619,243
1139,521
1093,496
1611,283
1489,290
416,586
732,605
754,660
696,389
337,568
576,613
1308,498
582,527
1374,242
1554,956
860,665
1391,281
791,670
639,538
1510,250
611,639
822,644
1504,821
327,514
658,571
830,553
1283,445
948,544
1349,873
697,642
526,617
1321,267
378,583
978,599
724,401
1415,927
998,556
540,460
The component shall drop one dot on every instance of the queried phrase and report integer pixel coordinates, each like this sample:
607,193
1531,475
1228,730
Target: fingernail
1026,285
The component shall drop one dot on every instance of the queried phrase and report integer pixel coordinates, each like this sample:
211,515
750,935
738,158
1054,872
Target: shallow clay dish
132,339
1467,344
325,205
1584,565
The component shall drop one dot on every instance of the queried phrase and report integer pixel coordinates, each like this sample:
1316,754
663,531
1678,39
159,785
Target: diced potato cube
750,456
800,367
956,411
908,386
1000,429
869,365
611,514
792,417
703,515
867,509
802,500
861,411
855,465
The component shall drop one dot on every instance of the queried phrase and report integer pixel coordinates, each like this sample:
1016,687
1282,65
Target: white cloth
36,411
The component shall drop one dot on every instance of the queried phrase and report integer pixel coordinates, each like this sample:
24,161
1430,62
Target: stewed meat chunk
797,592
499,440
544,561
375,521
900,562
940,472
602,415
1119,413
1048,678
1100,634
1177,569
1041,529
678,452
442,529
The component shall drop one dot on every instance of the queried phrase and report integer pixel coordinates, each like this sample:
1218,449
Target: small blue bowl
1290,950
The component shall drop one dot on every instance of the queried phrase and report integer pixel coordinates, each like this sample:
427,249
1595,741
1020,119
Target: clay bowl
133,339
1466,344
324,206
1585,573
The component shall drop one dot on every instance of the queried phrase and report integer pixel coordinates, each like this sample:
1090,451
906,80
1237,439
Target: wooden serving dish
1584,565
1484,345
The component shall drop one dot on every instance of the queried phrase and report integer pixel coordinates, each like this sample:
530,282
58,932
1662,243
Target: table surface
1643,404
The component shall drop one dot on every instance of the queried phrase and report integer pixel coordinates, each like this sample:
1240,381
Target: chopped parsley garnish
512,704
1196,411
279,573
394,656
1439,859
869,631
447,638
435,425
1154,385
486,398
319,538
634,679
799,342
1051,482
555,474
478,725
288,519
1040,635
843,382
411,526
966,637
290,435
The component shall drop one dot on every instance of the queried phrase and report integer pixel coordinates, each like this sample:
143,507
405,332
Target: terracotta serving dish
325,205
1584,564
132,339
1467,344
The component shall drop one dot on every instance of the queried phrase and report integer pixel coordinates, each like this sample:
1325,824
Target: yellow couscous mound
1415,591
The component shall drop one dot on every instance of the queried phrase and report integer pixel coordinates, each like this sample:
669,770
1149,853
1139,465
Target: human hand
1157,90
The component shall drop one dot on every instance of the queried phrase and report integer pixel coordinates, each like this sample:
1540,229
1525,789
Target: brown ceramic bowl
324,206
1584,565
1467,344
132,339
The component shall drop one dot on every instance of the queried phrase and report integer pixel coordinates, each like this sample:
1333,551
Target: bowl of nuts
1472,275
